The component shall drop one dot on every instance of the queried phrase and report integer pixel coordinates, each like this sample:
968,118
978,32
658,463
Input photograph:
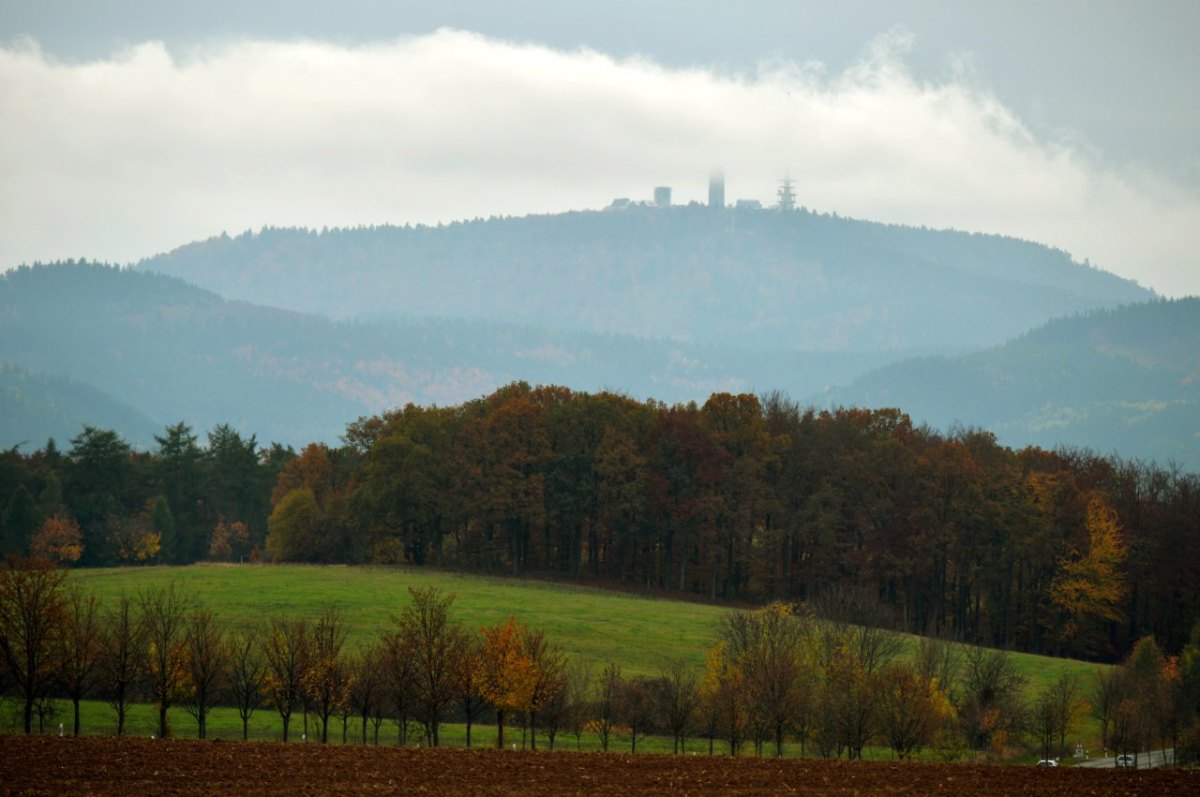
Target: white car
1047,762
1125,760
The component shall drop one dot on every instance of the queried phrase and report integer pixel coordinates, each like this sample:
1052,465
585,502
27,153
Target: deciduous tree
509,674
58,541
208,658
326,678
78,649
248,676
123,652
285,648
163,615
32,609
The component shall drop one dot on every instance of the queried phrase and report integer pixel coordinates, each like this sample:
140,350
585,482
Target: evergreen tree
19,522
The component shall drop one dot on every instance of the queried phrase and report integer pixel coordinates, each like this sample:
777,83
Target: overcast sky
132,127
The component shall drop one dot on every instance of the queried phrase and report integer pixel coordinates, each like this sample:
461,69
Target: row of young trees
824,676
741,499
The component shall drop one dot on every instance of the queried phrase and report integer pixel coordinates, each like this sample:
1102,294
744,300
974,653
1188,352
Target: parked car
1125,760
1047,762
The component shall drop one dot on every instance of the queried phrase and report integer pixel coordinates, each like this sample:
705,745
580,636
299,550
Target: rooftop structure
716,190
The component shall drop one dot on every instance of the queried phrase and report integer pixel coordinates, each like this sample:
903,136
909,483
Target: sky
133,127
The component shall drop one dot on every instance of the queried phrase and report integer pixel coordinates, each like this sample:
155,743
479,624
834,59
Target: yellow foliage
1090,586
509,674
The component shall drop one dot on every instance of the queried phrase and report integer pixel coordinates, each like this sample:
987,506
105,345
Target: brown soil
98,765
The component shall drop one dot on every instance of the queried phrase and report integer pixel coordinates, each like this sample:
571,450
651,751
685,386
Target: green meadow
600,626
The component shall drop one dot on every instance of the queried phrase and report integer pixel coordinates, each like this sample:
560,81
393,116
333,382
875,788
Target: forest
743,499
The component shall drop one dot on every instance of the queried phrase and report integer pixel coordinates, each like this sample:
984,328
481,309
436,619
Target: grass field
599,626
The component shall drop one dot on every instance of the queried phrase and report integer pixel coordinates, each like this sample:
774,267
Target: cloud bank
121,158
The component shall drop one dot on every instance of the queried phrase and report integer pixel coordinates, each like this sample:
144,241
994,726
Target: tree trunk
75,701
499,730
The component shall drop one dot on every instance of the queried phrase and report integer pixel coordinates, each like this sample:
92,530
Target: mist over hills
172,351
671,304
741,279
35,408
1123,381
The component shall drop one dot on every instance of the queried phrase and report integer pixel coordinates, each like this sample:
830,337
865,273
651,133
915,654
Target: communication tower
786,194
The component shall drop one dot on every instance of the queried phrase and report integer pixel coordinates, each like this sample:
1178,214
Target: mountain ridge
744,279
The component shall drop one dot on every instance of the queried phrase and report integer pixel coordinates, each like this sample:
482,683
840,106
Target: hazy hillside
35,407
176,352
741,279
1124,381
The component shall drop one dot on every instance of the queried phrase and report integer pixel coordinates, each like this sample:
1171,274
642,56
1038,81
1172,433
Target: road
1145,760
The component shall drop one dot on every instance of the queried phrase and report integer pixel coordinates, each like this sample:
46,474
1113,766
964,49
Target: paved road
1145,760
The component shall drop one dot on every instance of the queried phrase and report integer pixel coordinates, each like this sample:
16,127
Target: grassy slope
639,633
598,625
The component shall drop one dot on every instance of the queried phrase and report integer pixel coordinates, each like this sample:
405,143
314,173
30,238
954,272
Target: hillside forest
742,499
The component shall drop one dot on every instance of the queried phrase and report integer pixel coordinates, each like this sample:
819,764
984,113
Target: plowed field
95,765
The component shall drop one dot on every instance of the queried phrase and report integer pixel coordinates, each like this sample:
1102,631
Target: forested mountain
744,279
175,352
1124,381
35,407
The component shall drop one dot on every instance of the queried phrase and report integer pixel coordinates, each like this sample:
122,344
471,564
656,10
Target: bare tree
469,686
78,647
163,614
677,692
31,617
547,682
248,676
636,708
577,689
436,644
121,649
912,708
1043,721
367,683
1105,698
326,678
565,702
990,708
856,645
285,649
401,680
604,707
208,659
1068,705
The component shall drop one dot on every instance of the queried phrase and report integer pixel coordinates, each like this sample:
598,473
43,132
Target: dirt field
96,765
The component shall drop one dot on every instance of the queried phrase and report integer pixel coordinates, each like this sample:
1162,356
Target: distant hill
1124,381
35,407
176,352
741,279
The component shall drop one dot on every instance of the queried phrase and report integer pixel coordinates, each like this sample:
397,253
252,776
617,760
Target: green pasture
599,626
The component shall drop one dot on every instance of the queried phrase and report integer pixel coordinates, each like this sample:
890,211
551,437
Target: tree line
743,498
824,676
